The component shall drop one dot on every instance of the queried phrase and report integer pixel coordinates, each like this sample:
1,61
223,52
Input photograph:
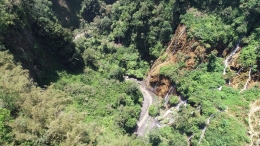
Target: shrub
153,111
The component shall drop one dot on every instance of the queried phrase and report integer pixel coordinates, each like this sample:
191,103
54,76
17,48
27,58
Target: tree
5,130
173,100
165,32
154,137
117,73
106,24
153,110
90,9
248,56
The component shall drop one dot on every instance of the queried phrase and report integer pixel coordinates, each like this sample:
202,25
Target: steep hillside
81,72
215,83
190,53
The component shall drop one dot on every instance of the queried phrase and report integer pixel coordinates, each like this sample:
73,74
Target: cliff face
192,53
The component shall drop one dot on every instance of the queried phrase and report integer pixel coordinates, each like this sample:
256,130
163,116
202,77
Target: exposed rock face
192,53
190,50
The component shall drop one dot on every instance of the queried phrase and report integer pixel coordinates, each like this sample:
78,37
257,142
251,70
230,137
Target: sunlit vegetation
62,68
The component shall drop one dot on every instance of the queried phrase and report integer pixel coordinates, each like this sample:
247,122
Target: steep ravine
178,49
192,53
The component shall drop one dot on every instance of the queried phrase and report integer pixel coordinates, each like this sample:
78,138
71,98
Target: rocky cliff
192,53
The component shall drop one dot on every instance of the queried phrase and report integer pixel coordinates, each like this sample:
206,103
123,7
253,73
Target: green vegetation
207,28
167,136
173,100
222,129
153,111
62,68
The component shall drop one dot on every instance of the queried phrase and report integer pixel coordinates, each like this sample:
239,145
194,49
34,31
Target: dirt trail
254,107
145,122
146,104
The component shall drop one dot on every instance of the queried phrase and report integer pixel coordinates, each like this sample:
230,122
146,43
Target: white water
239,70
198,108
166,98
183,102
249,78
205,128
176,108
190,137
231,54
171,121
168,111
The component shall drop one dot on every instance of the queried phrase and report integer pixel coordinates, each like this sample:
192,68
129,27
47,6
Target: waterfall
177,107
166,98
167,112
231,54
171,121
249,78
205,128
239,70
190,137
182,102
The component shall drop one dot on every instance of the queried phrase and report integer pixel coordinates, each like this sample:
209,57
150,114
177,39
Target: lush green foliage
207,29
5,136
153,110
167,136
173,100
223,130
84,99
201,87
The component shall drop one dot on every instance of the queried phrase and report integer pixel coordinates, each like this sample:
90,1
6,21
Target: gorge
129,73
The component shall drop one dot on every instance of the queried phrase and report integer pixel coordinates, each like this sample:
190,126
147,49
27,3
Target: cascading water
205,128
247,81
239,70
220,88
189,139
231,54
166,98
176,108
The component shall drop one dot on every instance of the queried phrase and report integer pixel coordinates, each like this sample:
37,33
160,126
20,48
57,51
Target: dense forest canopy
63,65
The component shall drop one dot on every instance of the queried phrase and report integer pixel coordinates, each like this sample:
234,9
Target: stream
176,108
231,54
205,128
247,81
166,98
